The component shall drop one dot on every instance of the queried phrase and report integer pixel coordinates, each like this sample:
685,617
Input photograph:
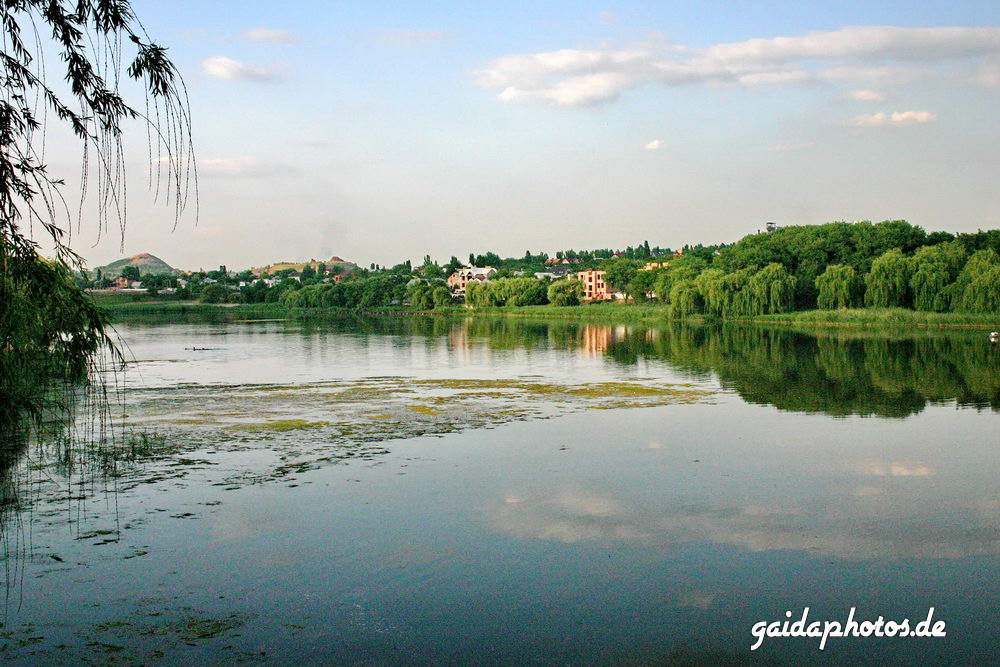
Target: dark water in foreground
510,492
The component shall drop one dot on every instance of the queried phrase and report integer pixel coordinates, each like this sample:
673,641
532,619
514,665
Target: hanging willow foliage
977,288
838,287
935,267
51,332
887,285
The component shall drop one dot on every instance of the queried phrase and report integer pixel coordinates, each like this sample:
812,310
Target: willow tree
977,288
479,295
888,282
711,289
838,287
567,292
685,299
770,290
49,330
935,268
686,267
736,298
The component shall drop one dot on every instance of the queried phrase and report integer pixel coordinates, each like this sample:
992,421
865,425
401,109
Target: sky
384,131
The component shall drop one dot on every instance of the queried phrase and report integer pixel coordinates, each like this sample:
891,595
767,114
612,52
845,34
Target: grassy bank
595,312
888,317
654,312
124,309
123,306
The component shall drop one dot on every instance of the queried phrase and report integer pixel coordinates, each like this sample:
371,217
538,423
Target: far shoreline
606,313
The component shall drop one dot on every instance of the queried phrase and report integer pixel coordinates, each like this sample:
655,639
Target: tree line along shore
889,272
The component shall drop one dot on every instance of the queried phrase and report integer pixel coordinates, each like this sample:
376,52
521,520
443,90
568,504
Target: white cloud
862,42
775,78
883,119
885,75
867,96
222,67
655,145
409,39
270,36
582,77
242,167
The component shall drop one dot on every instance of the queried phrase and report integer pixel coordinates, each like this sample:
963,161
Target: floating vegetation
303,427
170,434
281,425
155,630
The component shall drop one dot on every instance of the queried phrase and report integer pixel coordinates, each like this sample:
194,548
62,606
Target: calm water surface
828,471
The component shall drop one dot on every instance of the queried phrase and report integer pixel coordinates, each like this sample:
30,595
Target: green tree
685,299
642,285
479,295
567,292
737,298
976,288
935,268
686,267
770,290
420,296
712,290
888,283
441,296
530,292
620,273
214,293
838,287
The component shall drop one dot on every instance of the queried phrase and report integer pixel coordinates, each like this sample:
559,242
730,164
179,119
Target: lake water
448,491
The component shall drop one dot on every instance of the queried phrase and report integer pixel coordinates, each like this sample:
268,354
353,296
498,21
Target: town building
459,280
650,266
555,272
595,287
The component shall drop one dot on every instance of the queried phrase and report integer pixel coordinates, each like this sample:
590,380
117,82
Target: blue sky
385,131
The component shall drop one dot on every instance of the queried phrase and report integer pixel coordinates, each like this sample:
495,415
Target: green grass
122,306
594,312
894,317
120,310
650,312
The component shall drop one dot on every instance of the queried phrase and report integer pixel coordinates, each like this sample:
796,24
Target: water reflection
863,372
884,373
594,538
867,526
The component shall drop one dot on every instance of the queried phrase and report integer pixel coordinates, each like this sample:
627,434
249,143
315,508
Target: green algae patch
194,628
293,429
281,425
618,390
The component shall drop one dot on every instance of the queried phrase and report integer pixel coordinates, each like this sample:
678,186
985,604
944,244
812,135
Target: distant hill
147,264
333,264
